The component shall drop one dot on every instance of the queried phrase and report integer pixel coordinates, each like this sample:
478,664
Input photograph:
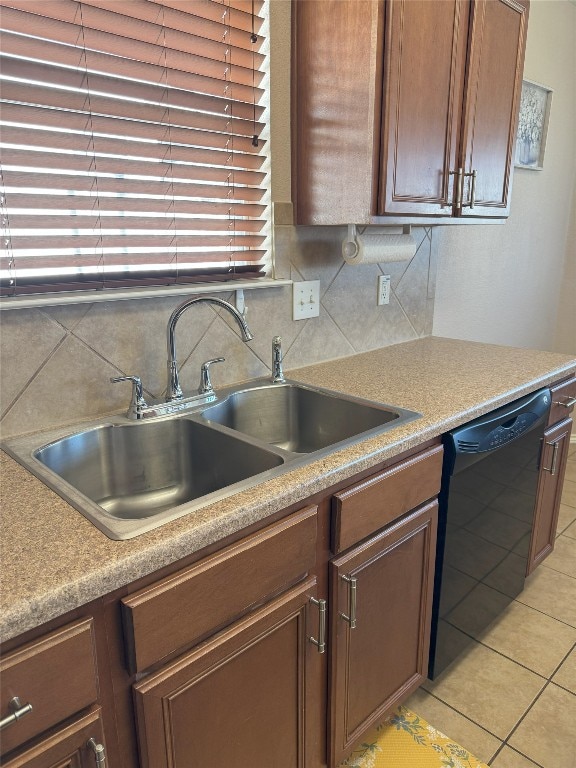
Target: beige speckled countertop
54,560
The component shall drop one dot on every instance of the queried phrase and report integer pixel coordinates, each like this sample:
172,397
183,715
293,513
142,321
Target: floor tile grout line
518,752
466,717
563,687
509,658
521,720
549,682
543,613
561,663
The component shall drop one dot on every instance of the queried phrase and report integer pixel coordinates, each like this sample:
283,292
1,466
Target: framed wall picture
532,125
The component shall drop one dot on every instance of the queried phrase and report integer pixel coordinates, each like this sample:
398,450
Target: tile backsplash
56,362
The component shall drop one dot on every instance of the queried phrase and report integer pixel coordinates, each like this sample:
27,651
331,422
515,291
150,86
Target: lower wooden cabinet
553,458
249,656
79,745
381,599
247,697
55,677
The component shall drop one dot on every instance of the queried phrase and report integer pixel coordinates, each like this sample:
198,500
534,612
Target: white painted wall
516,283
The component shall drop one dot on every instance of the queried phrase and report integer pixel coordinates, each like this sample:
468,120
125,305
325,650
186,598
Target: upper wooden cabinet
405,108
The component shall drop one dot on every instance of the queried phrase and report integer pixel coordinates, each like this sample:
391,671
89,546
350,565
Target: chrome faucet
277,373
173,389
137,403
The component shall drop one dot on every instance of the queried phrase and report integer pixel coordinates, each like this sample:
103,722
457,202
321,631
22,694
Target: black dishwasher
487,499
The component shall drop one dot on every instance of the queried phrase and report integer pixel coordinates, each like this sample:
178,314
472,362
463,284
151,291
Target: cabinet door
336,103
425,57
248,697
493,86
381,597
553,460
68,748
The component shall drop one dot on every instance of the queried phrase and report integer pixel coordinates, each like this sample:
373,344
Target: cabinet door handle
321,642
568,403
99,753
552,467
351,618
458,187
472,200
18,711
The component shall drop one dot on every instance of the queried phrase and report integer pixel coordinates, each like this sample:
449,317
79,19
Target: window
132,149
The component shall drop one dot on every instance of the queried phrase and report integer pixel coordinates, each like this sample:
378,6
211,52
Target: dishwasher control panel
505,433
502,426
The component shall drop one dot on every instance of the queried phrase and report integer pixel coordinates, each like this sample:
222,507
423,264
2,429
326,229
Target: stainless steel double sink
130,477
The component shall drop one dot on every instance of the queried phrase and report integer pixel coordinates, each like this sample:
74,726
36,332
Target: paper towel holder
350,246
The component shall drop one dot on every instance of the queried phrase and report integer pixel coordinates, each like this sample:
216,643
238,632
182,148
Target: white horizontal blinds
127,142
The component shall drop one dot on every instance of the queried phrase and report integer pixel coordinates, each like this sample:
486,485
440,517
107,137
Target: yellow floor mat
405,740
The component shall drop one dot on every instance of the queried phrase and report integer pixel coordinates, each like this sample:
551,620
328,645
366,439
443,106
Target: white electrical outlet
305,299
383,289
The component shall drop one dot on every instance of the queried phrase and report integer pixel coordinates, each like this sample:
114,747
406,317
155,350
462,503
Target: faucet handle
205,382
137,403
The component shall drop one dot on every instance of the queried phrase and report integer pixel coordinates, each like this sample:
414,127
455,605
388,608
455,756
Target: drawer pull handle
568,403
351,618
18,711
99,753
321,642
552,468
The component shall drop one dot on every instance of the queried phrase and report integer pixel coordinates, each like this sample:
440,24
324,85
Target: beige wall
516,284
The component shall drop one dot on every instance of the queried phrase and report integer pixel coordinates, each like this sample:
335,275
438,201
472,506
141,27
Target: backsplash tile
57,362
27,339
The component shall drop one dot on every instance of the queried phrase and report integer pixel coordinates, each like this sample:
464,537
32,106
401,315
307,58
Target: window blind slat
73,23
25,94
51,203
240,12
174,21
156,257
153,65
170,222
18,180
107,239
132,90
24,160
99,146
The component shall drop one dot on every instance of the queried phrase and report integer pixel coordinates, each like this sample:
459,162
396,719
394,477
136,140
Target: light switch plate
306,299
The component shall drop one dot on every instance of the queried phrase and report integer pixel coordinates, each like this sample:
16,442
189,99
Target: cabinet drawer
370,505
67,748
199,600
563,394
56,675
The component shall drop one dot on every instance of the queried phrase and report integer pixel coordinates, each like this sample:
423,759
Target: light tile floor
511,697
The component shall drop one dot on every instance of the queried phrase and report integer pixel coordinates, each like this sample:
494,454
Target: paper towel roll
373,249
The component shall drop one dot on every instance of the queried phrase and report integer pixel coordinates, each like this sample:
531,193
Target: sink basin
297,418
137,471
130,477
